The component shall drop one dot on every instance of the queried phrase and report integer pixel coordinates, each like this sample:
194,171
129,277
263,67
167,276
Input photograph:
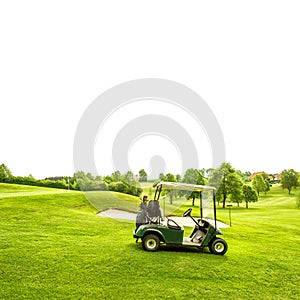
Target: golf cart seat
199,231
203,225
172,224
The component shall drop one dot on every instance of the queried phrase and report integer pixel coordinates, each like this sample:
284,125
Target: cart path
125,215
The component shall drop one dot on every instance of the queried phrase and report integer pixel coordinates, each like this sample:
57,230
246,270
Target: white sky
241,57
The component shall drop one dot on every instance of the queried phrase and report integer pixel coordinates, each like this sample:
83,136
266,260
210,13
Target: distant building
277,177
273,178
254,174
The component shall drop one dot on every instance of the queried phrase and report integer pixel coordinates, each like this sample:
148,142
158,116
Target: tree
209,172
259,184
249,194
267,186
202,171
5,174
116,176
289,179
129,178
193,176
265,176
161,176
227,182
142,175
108,179
244,175
90,176
170,178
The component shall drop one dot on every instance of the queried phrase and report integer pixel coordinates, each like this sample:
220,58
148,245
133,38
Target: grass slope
54,246
103,200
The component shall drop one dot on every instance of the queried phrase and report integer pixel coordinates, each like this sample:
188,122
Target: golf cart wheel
218,247
151,242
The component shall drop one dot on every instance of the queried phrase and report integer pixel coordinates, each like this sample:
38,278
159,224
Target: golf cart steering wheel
170,225
187,213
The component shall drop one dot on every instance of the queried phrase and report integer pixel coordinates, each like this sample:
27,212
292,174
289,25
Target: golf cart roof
184,186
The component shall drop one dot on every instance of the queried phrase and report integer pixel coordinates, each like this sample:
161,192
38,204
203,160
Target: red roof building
254,174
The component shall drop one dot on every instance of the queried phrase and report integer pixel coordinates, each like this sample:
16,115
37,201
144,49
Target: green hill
54,246
15,190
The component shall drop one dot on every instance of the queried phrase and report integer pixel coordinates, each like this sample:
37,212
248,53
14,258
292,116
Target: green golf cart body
158,231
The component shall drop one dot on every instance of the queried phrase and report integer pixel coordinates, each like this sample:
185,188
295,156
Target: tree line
126,183
233,185
230,184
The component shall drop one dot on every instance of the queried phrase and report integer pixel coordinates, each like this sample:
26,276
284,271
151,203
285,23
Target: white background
241,57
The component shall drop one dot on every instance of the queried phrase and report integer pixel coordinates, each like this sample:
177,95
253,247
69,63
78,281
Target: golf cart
156,229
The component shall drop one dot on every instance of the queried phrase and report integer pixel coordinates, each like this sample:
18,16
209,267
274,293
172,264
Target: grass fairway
54,246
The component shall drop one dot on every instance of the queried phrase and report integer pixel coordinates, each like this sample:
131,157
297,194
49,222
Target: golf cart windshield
176,195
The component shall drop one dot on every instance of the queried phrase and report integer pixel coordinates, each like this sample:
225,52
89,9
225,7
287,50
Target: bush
122,187
80,181
119,186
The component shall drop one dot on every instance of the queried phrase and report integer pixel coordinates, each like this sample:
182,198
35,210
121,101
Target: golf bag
141,218
154,212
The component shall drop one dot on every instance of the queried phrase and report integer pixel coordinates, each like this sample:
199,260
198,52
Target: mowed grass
103,200
17,190
54,246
